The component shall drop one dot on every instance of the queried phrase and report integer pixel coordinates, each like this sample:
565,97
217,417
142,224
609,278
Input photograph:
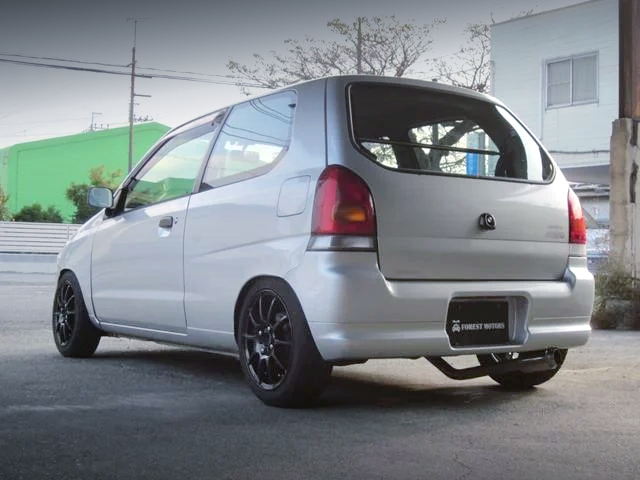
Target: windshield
414,129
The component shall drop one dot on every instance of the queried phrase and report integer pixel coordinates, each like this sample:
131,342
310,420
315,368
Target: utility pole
93,115
359,47
624,198
133,93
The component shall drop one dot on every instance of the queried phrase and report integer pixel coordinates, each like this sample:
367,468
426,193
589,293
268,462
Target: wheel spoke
68,303
269,370
254,361
280,321
58,328
262,369
277,341
250,336
252,320
63,333
263,321
278,362
273,302
61,296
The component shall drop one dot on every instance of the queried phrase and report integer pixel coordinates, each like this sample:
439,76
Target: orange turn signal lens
350,214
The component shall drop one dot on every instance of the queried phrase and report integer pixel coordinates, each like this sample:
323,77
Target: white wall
520,49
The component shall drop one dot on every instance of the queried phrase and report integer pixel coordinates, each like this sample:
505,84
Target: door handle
166,222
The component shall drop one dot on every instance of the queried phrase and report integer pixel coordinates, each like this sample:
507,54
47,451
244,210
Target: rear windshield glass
413,129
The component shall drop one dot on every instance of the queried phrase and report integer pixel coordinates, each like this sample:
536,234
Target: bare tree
371,46
471,66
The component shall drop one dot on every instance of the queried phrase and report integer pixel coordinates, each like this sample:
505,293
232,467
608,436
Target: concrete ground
139,410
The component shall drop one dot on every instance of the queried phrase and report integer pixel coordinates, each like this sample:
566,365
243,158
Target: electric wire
137,75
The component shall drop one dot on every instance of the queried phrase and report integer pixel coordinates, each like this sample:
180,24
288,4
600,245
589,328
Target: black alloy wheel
64,313
267,341
73,332
278,355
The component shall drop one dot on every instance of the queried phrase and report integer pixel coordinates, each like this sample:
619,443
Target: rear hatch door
462,190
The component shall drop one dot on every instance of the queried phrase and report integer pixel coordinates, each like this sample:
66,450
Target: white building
558,71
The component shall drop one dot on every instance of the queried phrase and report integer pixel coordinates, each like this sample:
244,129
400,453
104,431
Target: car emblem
455,328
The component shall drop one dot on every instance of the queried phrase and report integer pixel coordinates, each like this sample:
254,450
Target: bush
4,208
77,192
35,213
617,297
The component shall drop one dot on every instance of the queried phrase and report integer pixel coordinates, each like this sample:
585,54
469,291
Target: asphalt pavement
139,410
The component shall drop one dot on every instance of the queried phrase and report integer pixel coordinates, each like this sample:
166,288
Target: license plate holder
478,322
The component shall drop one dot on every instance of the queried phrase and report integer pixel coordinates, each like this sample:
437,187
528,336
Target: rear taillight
343,209
577,223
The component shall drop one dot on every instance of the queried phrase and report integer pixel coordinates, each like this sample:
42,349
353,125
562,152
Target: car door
137,257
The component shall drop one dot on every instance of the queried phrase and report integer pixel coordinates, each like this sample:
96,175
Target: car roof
344,81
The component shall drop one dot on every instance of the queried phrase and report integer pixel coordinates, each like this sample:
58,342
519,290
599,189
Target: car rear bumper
354,313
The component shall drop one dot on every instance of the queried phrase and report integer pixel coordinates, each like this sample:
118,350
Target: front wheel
277,353
519,380
73,332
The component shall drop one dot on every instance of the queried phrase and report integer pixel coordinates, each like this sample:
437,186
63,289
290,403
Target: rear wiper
427,145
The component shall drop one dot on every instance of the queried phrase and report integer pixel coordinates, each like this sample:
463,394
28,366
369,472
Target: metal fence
32,237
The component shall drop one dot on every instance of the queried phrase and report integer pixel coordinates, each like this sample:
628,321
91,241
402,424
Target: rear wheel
519,380
73,332
277,353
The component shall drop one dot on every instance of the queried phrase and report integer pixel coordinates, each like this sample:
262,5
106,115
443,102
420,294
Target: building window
572,81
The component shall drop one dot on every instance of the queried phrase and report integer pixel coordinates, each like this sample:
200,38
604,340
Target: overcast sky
196,36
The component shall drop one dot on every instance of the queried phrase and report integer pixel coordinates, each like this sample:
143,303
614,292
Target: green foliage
4,207
35,213
617,297
77,192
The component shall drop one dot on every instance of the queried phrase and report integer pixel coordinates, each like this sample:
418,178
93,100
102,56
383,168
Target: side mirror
100,197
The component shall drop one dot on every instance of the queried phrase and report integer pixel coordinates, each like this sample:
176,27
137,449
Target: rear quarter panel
252,228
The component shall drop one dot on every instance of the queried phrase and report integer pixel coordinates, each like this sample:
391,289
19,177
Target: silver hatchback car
335,221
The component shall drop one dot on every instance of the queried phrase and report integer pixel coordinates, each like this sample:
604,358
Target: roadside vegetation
35,213
4,208
77,192
617,303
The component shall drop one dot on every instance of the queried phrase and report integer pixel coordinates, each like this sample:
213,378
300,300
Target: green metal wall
40,172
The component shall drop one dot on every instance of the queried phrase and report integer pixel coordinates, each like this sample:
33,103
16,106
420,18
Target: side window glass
172,171
255,136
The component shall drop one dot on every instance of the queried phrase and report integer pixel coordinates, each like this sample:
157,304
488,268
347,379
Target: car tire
73,332
277,353
519,380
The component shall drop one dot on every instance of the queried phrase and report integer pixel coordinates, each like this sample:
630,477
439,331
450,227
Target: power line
15,55
81,62
113,72
233,80
188,73
43,122
67,67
